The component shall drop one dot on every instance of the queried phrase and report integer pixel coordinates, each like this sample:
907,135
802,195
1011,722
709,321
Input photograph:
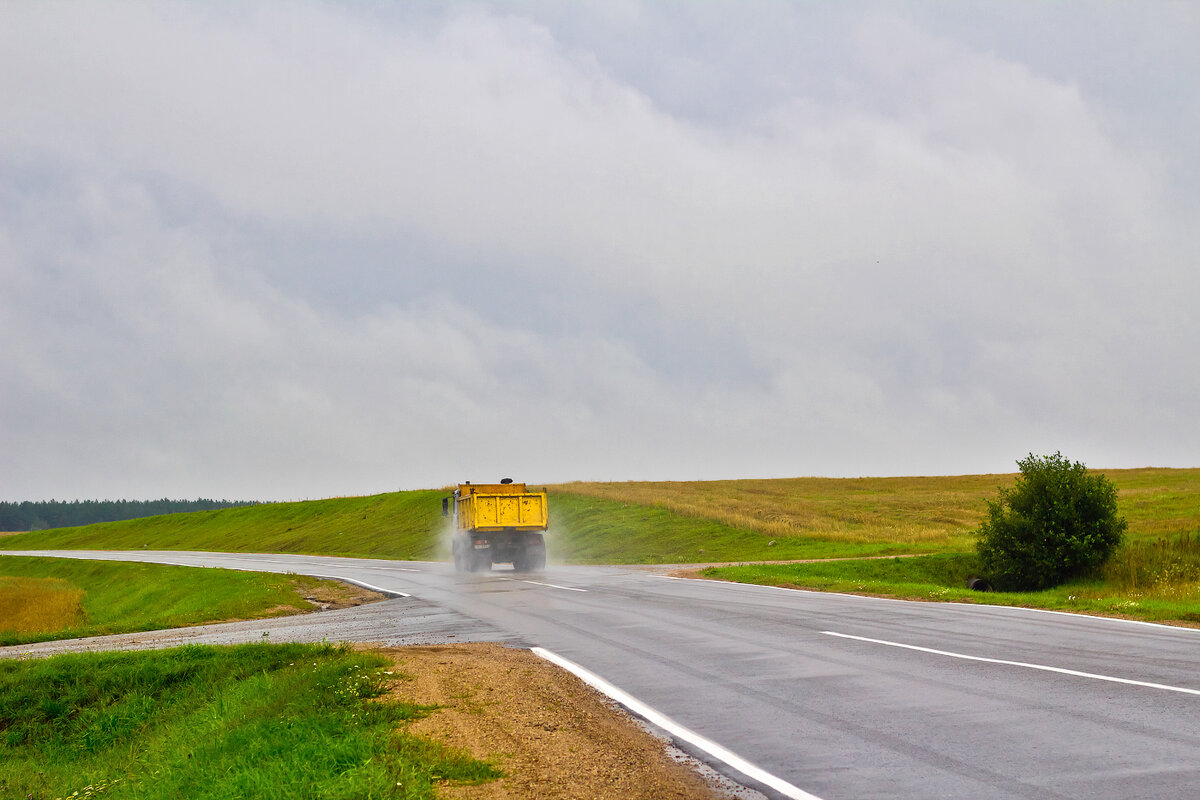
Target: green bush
1056,523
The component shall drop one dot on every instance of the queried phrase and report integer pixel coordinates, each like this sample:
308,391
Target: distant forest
29,516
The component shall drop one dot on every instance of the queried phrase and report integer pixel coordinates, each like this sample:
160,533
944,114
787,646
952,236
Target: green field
723,521
61,598
260,720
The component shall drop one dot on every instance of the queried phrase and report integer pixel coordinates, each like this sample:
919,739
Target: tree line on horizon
36,516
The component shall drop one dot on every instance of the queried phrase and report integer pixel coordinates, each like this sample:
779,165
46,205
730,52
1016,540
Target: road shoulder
552,735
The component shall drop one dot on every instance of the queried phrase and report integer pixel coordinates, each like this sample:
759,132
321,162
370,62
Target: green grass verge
400,525
260,720
122,597
943,577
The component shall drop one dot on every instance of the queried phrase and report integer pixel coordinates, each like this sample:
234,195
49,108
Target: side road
394,623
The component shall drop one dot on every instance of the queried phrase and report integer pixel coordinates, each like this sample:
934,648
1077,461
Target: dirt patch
553,736
322,594
329,594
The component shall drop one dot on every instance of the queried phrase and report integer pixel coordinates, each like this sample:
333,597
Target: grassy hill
924,513
646,522
409,525
399,525
719,521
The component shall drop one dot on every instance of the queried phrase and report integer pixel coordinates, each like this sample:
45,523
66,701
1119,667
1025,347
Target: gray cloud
341,248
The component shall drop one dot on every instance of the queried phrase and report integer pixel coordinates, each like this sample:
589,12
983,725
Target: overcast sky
275,251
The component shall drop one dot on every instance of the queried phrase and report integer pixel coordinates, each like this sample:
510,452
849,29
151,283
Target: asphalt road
843,697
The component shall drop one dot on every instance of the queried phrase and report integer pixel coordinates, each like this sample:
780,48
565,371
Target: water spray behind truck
497,523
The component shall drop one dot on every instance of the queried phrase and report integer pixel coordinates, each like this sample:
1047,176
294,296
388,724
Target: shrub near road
1058,522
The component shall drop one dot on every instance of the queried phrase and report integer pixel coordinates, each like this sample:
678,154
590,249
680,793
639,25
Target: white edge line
1042,667
363,584
676,730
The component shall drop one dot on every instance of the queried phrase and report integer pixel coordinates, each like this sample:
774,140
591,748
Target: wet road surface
842,696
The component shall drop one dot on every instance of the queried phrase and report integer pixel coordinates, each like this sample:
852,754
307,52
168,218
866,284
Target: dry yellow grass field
941,509
848,509
37,605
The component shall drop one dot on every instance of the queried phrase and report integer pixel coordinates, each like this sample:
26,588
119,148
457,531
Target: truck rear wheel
530,559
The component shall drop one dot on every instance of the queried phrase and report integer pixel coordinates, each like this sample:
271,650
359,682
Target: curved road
844,697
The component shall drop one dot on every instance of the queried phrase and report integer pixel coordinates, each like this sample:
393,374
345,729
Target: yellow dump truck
497,523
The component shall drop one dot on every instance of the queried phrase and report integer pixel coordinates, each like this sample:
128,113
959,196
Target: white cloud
928,259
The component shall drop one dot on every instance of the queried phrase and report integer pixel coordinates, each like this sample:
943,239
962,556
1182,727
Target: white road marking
363,584
539,583
1042,667
672,727
556,586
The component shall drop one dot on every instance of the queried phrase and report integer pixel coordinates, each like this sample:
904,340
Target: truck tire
537,560
530,559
